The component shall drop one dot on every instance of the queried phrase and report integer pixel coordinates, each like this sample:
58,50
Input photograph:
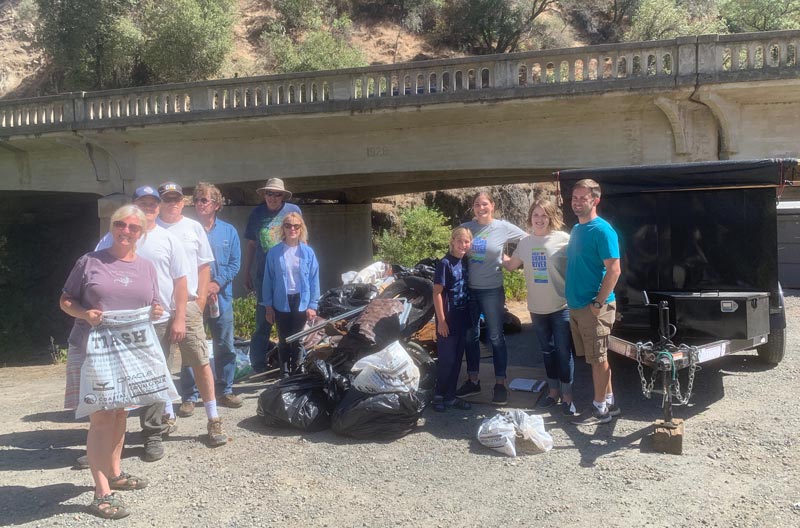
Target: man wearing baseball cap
166,253
194,348
260,237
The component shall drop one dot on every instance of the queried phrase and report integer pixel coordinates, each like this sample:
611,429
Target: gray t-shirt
544,263
486,254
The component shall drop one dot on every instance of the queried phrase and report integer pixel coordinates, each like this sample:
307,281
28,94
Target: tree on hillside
761,15
97,44
665,19
599,21
490,26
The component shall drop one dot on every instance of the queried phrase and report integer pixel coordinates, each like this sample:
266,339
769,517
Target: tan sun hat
275,184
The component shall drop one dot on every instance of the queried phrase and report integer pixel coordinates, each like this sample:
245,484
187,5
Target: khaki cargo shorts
590,333
194,347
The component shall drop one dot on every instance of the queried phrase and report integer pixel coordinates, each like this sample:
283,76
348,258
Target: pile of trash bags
368,383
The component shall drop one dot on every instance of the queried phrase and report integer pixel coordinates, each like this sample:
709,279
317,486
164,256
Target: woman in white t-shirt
290,291
543,256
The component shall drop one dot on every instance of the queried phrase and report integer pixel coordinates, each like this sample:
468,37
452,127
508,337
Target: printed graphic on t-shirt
265,234
478,253
539,265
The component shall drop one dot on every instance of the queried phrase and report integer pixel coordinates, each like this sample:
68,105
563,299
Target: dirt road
740,467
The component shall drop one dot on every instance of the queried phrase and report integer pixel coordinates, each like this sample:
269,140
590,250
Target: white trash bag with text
390,370
501,431
124,365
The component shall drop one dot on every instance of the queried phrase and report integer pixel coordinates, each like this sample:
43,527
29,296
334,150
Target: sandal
130,482
108,507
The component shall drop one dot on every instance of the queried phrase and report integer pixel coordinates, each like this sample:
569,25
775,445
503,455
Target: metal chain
693,367
647,389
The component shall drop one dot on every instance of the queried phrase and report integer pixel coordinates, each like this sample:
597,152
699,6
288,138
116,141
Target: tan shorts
590,333
194,348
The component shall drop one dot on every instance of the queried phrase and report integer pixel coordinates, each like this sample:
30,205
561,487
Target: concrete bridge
351,135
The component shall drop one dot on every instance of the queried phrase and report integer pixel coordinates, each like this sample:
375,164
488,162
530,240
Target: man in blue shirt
592,272
262,233
225,246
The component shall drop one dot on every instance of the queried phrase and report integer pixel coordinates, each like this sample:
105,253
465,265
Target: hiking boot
186,409
230,400
500,396
613,410
595,418
469,388
153,449
170,423
82,462
216,435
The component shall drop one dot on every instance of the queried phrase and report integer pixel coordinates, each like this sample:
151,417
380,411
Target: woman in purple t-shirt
109,279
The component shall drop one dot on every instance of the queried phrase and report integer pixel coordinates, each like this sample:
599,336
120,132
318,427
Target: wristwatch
596,304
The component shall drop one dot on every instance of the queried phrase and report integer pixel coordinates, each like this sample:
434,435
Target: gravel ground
740,467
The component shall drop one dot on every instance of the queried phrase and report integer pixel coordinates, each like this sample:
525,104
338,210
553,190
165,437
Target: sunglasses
133,228
172,199
273,194
292,226
204,201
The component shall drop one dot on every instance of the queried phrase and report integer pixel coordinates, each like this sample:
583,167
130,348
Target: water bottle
213,306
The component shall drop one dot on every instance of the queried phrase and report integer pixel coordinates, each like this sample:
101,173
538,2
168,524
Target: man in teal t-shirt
592,272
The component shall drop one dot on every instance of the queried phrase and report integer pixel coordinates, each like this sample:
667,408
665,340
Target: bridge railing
713,58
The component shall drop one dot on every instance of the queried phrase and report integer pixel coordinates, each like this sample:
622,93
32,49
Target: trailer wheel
773,351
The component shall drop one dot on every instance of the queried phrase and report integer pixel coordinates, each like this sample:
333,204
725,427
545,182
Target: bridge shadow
22,505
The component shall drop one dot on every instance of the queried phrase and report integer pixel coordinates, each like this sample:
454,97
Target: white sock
169,410
610,398
211,409
601,407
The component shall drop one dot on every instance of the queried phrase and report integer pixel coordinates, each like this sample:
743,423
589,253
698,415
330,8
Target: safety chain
647,387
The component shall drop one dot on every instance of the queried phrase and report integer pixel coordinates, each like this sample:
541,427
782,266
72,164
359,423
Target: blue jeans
492,304
259,342
553,333
224,365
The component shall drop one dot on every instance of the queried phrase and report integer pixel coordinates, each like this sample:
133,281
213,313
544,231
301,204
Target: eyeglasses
292,226
172,199
273,194
133,228
204,201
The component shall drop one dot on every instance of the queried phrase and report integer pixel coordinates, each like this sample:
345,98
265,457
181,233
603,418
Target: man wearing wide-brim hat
260,236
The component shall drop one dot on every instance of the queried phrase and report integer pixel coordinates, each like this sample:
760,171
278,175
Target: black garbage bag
419,292
384,416
337,301
304,401
511,323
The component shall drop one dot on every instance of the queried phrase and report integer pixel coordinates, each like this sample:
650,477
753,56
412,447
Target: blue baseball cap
146,190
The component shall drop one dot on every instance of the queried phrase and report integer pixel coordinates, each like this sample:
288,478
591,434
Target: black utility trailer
698,246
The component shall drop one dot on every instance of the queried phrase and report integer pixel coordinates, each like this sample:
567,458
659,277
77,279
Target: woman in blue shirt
291,287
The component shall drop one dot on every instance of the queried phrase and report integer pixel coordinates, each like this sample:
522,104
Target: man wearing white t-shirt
194,348
167,255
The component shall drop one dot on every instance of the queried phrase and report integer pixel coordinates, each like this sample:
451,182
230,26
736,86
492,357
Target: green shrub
421,232
514,285
319,49
244,316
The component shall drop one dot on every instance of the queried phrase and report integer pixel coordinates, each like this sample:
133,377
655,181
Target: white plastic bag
390,370
124,364
501,431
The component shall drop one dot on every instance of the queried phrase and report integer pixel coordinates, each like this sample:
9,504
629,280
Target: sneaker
153,450
186,409
500,396
216,435
595,418
547,401
613,410
82,462
438,405
230,400
469,388
568,409
461,405
170,423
